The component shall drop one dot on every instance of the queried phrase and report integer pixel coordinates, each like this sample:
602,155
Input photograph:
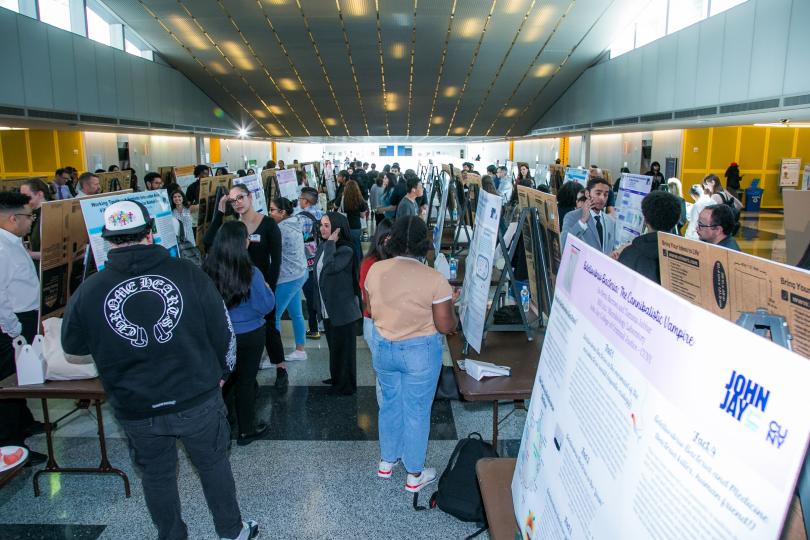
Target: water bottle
524,298
453,267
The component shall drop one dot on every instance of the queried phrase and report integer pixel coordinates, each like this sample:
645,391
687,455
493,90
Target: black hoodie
156,353
642,256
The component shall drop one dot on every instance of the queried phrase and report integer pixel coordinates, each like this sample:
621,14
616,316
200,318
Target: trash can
753,196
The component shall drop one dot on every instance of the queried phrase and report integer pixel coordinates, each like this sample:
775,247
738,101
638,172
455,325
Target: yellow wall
214,149
39,152
757,150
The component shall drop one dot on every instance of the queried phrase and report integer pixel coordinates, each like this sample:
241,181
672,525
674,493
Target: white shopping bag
58,365
29,360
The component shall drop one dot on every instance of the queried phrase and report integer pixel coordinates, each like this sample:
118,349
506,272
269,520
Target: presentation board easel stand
435,194
465,217
775,328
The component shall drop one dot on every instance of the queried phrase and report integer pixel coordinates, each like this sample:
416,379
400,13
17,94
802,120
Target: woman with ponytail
411,305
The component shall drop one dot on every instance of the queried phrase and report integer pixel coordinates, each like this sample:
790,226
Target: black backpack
459,494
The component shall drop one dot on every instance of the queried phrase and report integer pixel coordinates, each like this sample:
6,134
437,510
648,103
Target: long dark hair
352,197
568,193
339,221
378,249
228,263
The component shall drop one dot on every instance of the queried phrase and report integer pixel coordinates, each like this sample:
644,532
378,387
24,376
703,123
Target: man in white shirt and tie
592,225
19,307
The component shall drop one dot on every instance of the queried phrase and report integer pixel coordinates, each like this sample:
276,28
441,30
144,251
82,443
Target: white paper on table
478,369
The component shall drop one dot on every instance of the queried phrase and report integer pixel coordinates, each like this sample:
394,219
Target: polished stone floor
313,475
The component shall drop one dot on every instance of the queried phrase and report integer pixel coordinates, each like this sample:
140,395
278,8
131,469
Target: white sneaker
296,355
414,483
250,530
384,469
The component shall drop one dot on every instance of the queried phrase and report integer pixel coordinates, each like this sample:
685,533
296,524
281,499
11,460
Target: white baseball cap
125,217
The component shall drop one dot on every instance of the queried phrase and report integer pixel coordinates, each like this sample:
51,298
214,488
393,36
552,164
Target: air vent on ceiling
749,106
656,117
202,130
136,123
582,126
625,121
603,123
797,100
52,115
183,128
12,111
691,113
98,119
161,125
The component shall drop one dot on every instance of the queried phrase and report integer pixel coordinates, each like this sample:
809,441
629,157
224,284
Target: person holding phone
591,223
337,298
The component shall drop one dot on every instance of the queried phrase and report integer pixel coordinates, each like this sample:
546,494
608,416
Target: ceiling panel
313,67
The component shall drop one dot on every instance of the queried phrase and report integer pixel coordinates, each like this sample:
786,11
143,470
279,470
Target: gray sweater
293,258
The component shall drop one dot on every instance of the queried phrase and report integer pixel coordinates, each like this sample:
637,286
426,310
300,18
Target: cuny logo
741,393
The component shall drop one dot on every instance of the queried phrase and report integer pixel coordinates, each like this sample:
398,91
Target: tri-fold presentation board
113,181
654,418
729,283
546,205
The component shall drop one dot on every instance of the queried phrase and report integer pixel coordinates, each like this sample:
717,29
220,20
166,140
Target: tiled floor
313,476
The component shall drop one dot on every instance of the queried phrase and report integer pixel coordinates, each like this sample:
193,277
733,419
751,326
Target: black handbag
447,388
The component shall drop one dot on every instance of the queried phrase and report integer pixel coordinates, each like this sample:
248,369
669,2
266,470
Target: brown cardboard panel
269,175
797,223
13,184
63,244
728,283
208,203
108,181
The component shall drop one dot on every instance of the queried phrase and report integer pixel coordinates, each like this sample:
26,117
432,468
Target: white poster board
629,219
576,175
654,418
309,171
478,268
156,202
438,229
806,178
790,172
287,183
254,184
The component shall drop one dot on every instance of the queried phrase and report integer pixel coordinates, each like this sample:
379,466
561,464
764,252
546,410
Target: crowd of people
182,362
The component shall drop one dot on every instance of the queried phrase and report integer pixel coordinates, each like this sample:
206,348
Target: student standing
592,224
412,306
338,300
265,252
162,361
355,209
293,274
249,300
309,214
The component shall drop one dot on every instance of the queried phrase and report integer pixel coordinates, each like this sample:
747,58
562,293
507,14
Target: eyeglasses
26,215
274,210
238,198
704,226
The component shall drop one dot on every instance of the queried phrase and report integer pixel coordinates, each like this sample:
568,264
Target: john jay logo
741,393
135,334
748,399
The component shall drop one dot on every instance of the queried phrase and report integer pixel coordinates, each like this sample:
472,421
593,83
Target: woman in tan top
412,306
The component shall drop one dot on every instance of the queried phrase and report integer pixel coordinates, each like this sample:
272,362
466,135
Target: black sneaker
250,530
245,439
282,379
313,335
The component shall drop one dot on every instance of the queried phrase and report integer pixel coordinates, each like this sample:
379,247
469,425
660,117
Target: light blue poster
576,175
156,202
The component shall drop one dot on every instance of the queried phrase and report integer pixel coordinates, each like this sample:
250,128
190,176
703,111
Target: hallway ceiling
355,68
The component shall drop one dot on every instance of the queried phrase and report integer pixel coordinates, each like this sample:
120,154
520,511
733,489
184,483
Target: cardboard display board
108,180
797,224
167,174
728,282
156,202
652,418
64,253
208,202
547,212
13,184
183,176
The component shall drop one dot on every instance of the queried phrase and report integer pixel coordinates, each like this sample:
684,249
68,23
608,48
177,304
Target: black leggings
309,294
241,385
342,342
272,339
15,416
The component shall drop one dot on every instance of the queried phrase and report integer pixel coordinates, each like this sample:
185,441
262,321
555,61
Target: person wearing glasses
19,305
715,224
293,274
265,252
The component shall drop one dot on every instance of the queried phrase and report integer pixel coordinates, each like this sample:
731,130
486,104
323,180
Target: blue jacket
249,315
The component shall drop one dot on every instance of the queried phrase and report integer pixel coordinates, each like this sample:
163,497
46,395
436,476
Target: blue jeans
407,371
288,297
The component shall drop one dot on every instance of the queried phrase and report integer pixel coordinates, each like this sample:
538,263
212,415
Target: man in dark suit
591,224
